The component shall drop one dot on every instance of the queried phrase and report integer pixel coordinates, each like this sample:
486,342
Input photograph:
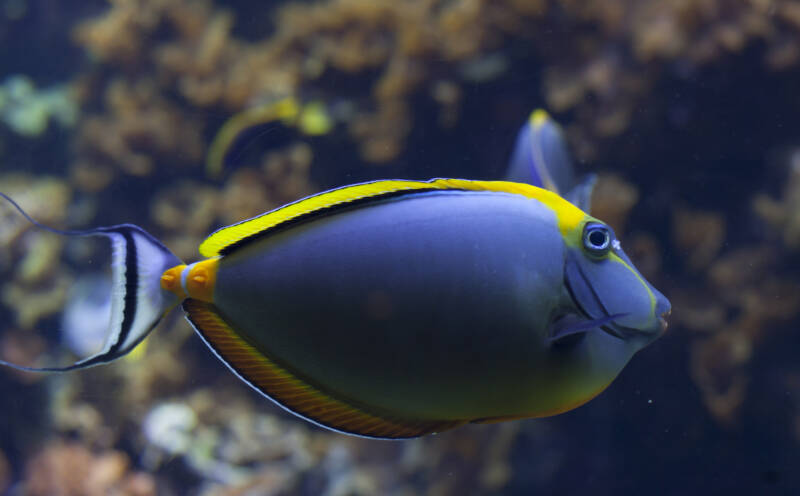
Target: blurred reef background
688,109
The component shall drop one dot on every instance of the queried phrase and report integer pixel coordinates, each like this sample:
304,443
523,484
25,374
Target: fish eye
596,239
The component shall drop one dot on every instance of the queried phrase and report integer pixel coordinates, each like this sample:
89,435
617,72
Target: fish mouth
662,322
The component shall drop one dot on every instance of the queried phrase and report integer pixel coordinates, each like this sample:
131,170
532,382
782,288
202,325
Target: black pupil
597,238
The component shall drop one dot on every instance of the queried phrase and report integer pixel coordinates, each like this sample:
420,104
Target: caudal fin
137,301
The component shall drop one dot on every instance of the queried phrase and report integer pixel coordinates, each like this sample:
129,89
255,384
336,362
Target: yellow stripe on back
293,393
568,215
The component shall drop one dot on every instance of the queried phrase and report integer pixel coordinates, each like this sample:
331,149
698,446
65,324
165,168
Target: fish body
407,307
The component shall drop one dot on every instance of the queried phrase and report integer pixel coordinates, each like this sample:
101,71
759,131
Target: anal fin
293,393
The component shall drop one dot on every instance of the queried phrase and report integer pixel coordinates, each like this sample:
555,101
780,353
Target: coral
612,200
36,284
784,215
122,33
142,125
403,49
69,468
698,234
22,348
282,178
44,198
748,300
32,303
753,293
186,211
604,78
28,111
733,299
718,369
238,449
179,62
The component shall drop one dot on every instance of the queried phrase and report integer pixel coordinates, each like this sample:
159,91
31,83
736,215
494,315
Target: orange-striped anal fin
293,393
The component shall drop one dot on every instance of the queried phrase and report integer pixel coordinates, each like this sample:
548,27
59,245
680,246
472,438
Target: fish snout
662,322
663,310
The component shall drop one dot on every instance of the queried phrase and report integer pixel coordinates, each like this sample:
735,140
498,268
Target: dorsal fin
541,157
294,393
228,238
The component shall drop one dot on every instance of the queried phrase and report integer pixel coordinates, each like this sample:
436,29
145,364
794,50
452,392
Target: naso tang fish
394,309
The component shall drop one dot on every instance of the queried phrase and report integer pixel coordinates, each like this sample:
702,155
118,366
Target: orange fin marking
201,279
298,396
171,281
